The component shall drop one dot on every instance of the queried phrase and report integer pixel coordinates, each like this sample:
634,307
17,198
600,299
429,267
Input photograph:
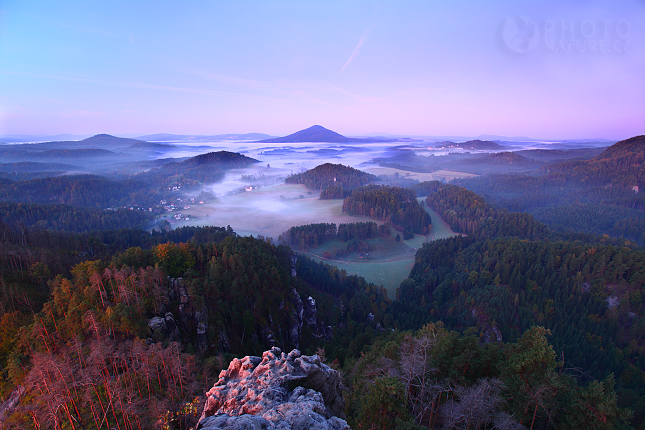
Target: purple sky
547,69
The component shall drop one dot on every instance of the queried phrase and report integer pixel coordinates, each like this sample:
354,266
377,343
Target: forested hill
622,164
224,159
138,333
511,273
469,213
208,167
604,194
329,175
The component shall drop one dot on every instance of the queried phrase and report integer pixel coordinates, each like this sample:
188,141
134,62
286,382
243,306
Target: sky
567,69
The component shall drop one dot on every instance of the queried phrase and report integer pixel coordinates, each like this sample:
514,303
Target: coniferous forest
509,324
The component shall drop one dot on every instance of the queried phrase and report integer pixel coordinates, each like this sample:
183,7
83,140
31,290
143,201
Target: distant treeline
75,190
71,218
595,219
313,235
395,205
422,189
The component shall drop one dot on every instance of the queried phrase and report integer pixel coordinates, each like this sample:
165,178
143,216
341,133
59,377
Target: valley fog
256,201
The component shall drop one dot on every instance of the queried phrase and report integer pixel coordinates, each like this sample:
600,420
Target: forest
512,324
72,218
166,311
598,195
394,205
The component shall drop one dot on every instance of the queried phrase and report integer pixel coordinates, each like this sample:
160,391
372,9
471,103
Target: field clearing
390,262
440,228
388,274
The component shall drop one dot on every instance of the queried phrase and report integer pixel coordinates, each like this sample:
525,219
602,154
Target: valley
185,240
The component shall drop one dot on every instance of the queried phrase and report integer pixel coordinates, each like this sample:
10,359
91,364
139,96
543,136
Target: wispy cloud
358,47
144,85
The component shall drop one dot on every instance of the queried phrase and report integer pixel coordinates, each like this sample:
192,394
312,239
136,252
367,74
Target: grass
389,274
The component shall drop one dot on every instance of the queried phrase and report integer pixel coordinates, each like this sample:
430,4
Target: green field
389,274
389,262
440,228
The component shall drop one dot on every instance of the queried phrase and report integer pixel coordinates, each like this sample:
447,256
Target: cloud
358,47
144,85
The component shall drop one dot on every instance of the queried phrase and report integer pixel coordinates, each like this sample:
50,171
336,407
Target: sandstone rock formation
277,391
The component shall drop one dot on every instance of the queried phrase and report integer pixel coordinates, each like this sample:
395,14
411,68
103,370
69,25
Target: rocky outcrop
7,407
295,319
276,391
310,313
189,321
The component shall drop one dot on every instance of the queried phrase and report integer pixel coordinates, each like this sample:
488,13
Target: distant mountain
548,155
476,145
150,145
74,153
165,137
506,158
318,133
106,140
497,137
99,141
32,166
496,163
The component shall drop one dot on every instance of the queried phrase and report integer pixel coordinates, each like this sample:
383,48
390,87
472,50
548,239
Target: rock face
277,391
295,319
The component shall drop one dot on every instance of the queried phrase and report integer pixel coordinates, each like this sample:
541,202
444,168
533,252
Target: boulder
158,325
276,391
